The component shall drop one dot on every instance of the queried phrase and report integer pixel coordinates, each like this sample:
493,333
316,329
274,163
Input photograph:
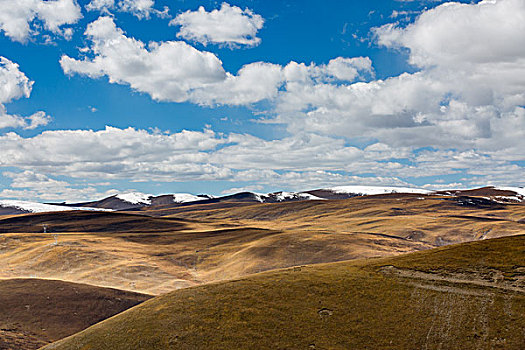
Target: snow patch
518,190
135,197
260,197
372,190
33,207
186,197
282,196
506,199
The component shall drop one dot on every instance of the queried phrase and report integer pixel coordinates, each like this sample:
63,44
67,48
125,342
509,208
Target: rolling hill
466,296
142,201
35,312
146,252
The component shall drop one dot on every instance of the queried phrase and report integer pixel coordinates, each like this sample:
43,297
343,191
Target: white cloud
17,18
254,82
114,153
348,69
138,155
142,156
229,25
476,50
309,180
16,121
100,5
167,71
464,107
175,71
139,8
462,34
340,69
470,84
57,13
300,151
29,185
14,84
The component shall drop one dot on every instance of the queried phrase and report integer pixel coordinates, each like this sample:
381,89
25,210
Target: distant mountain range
130,201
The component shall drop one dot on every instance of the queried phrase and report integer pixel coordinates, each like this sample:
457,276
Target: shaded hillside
468,296
87,221
35,312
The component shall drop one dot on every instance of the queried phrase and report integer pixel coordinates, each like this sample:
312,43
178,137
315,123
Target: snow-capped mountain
139,201
149,199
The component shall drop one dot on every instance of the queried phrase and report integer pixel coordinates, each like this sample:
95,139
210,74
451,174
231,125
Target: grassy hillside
467,296
434,220
35,312
204,244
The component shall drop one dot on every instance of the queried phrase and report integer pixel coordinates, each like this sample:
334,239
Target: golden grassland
465,296
202,244
435,220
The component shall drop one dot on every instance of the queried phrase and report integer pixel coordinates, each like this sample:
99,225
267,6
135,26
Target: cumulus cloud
229,25
140,155
469,85
175,71
14,84
253,83
475,50
100,5
296,162
461,113
167,71
113,153
461,34
139,8
309,180
170,71
18,18
30,185
15,121
340,69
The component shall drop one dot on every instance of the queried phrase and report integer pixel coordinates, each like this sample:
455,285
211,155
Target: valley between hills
319,273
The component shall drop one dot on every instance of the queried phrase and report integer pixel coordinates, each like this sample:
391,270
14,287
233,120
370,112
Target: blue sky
159,96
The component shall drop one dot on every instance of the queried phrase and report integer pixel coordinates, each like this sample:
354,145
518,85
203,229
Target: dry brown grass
157,255
348,305
434,220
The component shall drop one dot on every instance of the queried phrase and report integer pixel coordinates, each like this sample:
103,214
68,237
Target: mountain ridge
136,201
